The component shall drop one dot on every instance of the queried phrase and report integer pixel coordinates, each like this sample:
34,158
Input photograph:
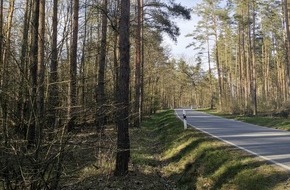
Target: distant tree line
244,50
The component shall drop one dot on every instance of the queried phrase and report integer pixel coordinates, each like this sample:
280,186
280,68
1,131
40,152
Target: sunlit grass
89,171
176,148
193,160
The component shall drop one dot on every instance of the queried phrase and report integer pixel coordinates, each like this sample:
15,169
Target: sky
179,49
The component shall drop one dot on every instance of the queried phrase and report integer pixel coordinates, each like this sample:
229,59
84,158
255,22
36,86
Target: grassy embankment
191,160
164,156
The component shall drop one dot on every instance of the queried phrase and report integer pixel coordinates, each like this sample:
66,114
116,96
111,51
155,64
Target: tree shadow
134,180
206,166
186,150
220,170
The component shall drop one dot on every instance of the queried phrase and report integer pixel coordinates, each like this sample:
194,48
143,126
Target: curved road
270,144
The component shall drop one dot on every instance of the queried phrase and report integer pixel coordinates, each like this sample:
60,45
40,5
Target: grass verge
189,159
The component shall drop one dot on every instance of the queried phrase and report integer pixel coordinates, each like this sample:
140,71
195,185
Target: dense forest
67,65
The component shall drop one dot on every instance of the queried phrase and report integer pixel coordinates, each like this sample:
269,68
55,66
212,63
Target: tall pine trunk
123,141
254,83
287,28
1,63
31,134
73,67
220,89
1,32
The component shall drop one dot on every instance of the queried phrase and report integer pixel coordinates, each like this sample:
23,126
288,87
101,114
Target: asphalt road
270,144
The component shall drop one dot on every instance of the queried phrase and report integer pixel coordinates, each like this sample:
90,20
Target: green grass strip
189,159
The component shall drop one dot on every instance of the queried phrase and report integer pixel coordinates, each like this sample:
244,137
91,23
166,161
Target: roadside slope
192,160
267,143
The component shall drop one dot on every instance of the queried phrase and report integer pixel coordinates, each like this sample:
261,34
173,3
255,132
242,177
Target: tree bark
123,141
1,64
287,20
73,67
1,31
32,138
220,92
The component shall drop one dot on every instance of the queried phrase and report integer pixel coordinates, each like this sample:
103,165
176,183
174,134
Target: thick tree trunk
1,65
1,32
123,142
31,134
287,20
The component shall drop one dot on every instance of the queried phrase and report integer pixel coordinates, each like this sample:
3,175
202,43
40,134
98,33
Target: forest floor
164,156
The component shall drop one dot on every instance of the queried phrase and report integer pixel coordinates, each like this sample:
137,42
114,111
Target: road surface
270,144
